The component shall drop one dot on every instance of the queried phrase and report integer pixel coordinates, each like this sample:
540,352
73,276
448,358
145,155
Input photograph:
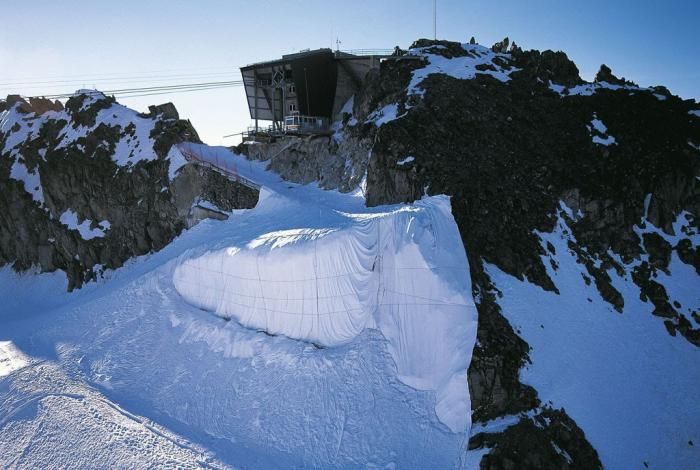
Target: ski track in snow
132,348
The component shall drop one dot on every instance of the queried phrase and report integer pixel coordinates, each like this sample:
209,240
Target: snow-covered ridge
478,60
134,145
588,89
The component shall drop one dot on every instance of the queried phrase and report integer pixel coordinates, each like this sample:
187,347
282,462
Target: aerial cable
161,88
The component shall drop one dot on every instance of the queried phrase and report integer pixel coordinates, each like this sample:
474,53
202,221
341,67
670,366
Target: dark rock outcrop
501,46
604,74
508,152
547,440
130,201
167,110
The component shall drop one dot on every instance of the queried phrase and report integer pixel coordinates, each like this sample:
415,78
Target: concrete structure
304,92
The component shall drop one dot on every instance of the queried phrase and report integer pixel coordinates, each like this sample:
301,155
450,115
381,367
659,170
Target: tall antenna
435,19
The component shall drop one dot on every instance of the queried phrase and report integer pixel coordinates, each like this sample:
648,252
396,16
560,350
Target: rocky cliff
524,145
85,188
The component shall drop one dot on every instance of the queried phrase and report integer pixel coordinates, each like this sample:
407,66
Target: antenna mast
435,19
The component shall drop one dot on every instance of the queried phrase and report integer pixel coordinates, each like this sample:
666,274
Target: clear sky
117,44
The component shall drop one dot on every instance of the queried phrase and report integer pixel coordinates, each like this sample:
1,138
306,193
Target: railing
225,166
368,51
301,123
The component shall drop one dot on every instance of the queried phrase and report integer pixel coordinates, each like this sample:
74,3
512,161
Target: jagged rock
167,110
548,440
501,46
42,105
688,254
659,251
515,49
547,66
22,105
83,114
195,183
144,208
335,165
604,74
441,47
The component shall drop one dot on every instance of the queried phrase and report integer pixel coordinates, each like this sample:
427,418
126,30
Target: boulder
502,46
42,105
605,75
22,104
168,111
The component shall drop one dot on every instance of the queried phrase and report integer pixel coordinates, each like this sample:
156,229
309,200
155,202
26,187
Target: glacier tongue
311,284
327,267
402,271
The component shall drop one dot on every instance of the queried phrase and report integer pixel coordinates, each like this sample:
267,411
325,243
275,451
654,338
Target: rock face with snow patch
515,136
509,141
88,187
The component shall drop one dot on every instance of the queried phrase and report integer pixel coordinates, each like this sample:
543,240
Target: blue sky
116,44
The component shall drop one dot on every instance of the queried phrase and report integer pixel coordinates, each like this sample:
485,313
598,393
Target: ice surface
53,421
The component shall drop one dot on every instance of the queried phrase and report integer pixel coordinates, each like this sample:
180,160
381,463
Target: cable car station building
303,93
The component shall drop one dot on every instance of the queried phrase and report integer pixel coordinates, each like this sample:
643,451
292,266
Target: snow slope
388,392
621,377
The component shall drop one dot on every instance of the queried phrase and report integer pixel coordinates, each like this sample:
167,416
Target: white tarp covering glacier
403,271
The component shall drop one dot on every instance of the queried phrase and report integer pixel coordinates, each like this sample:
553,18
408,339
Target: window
292,106
291,89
